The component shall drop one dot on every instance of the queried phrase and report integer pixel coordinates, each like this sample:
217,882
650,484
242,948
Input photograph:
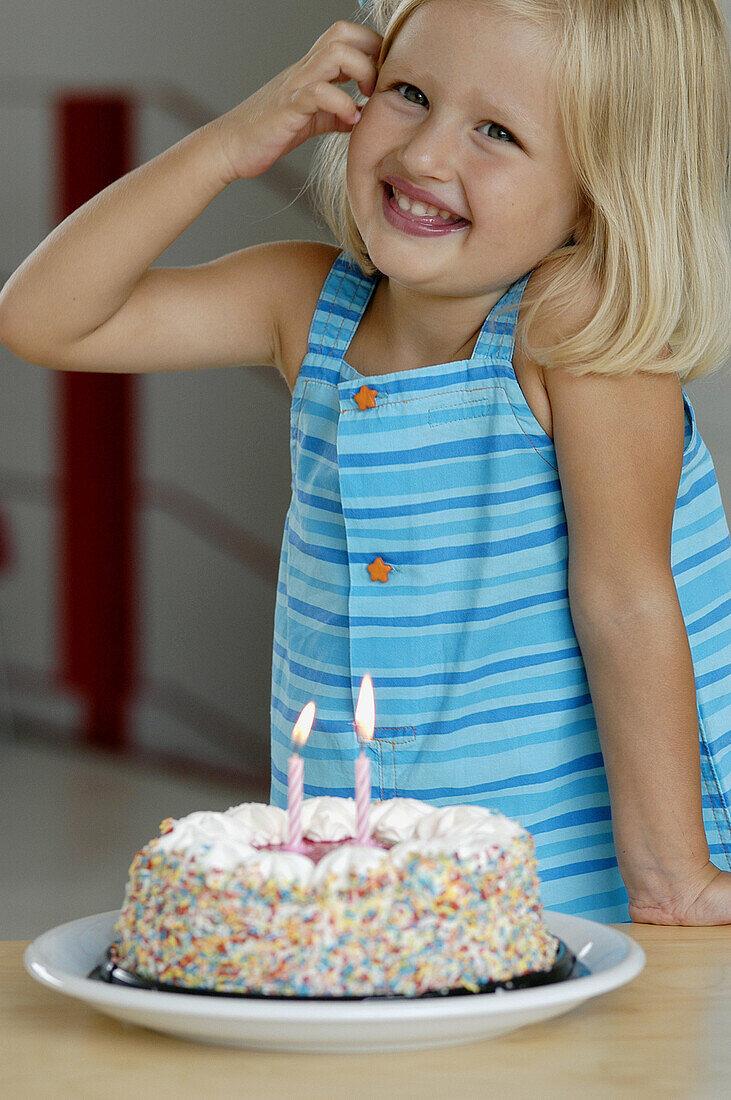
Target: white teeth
421,209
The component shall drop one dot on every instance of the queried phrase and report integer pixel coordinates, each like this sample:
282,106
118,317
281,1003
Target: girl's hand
300,103
702,899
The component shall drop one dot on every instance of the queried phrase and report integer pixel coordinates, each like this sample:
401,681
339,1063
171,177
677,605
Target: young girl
502,508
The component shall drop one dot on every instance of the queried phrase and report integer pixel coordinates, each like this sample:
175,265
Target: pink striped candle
365,723
295,778
363,797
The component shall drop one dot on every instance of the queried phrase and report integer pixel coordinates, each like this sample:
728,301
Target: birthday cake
441,899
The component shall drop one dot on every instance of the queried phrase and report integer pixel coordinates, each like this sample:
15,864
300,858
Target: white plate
62,957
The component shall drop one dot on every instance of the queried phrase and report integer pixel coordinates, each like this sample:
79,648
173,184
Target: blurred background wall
208,450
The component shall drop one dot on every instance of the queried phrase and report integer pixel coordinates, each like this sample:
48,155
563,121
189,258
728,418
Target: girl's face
464,109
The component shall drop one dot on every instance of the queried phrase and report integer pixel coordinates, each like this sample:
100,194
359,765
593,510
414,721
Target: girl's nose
430,150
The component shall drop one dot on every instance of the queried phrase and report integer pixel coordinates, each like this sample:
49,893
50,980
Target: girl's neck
417,330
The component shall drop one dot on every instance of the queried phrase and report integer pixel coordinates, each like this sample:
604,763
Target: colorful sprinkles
437,923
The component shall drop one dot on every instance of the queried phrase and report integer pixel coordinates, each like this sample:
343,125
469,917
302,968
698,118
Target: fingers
341,62
347,52
366,39
322,96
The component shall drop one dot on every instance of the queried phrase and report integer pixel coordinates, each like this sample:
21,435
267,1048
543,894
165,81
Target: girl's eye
500,129
413,88
488,125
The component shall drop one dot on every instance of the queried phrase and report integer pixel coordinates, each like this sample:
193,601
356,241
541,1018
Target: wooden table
666,1034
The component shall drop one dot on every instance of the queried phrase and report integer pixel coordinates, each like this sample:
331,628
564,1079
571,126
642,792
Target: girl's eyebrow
510,112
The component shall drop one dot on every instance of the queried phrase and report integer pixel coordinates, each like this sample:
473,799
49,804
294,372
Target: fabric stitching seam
515,415
380,772
297,426
398,741
424,397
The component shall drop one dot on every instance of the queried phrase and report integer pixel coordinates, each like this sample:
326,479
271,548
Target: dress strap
342,302
497,335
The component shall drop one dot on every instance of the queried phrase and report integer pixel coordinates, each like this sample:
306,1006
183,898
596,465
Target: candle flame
303,725
365,711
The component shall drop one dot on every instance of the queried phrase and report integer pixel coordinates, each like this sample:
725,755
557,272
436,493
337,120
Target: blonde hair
644,92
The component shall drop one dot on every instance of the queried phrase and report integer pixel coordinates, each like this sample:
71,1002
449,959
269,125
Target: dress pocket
463,410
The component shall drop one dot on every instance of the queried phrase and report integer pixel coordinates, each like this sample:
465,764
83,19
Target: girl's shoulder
530,374
305,267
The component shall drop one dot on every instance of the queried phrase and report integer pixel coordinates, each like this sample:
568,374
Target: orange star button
365,398
379,570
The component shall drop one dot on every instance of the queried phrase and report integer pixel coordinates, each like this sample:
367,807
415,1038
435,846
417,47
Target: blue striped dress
444,483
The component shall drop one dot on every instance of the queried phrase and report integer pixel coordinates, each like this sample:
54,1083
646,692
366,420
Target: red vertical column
96,417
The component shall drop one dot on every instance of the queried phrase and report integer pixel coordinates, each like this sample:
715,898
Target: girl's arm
619,445
87,298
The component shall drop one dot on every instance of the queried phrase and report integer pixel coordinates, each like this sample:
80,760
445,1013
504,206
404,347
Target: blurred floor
71,821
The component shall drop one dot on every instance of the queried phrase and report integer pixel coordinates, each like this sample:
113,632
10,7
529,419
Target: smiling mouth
437,220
